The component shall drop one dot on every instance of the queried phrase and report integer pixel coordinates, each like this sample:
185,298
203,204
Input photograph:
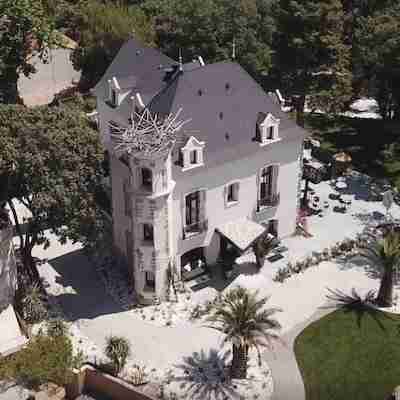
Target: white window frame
264,128
236,185
192,145
274,182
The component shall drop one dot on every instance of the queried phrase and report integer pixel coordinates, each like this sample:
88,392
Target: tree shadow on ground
359,305
206,376
83,295
359,262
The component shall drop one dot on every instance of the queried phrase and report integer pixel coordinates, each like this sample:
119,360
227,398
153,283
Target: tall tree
25,31
378,42
211,28
56,174
102,29
241,316
312,58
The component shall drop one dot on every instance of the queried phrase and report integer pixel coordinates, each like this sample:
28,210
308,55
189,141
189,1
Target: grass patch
372,143
343,356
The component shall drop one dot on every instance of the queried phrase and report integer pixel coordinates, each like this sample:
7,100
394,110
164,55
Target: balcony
269,201
195,229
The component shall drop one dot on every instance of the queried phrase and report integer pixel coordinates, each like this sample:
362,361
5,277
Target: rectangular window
266,183
192,208
147,179
148,233
232,193
193,157
113,97
150,280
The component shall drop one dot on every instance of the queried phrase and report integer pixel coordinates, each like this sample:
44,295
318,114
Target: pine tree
312,57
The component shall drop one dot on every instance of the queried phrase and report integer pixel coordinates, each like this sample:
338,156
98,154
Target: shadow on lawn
206,376
85,295
355,303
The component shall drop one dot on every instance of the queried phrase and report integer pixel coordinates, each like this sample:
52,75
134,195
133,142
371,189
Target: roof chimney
180,61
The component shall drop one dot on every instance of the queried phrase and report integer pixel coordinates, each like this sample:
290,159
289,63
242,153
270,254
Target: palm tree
384,253
246,324
117,350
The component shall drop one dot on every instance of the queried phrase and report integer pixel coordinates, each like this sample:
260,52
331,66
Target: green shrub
45,359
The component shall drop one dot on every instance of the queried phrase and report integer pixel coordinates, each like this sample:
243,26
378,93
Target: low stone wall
90,379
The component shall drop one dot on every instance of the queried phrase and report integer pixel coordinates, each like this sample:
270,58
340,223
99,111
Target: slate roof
222,100
136,66
224,104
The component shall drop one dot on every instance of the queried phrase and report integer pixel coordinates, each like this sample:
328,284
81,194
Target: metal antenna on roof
233,49
180,61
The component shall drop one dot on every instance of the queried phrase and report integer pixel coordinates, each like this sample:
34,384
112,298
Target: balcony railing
195,228
269,201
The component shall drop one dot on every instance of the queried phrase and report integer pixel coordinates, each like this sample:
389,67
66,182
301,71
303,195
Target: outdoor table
341,185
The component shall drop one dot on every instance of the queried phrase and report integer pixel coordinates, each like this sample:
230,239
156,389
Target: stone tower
145,185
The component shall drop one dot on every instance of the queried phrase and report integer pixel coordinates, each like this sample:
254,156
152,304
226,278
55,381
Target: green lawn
367,140
341,358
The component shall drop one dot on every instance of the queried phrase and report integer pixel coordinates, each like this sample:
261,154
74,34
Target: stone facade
146,257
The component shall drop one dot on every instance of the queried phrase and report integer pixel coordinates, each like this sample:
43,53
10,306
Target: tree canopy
210,27
52,157
25,31
312,57
101,29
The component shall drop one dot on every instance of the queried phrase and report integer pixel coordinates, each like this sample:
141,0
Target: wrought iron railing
195,228
272,200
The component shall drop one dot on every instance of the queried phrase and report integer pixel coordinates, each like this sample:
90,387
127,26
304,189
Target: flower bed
347,247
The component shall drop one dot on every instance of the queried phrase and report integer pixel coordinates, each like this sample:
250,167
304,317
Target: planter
89,378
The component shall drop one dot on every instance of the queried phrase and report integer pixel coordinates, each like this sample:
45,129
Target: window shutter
275,173
202,211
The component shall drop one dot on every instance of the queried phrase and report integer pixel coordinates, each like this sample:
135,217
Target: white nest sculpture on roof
148,134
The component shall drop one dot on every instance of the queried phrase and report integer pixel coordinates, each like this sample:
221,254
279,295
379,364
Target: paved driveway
86,302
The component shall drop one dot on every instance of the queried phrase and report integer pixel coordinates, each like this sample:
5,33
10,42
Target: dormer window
192,154
193,157
267,130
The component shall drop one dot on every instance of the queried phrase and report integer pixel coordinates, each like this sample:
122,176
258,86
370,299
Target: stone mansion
231,174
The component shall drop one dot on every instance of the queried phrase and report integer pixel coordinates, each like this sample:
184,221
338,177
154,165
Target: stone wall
90,379
8,268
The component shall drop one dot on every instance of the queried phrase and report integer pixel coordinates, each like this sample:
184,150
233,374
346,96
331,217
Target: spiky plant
385,254
241,316
33,306
117,350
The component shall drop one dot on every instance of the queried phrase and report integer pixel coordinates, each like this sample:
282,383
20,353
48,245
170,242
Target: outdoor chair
334,196
340,209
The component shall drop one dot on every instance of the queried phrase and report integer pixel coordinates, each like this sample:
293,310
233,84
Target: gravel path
288,383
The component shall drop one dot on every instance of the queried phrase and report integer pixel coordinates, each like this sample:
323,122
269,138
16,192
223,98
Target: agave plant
117,350
385,254
241,316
